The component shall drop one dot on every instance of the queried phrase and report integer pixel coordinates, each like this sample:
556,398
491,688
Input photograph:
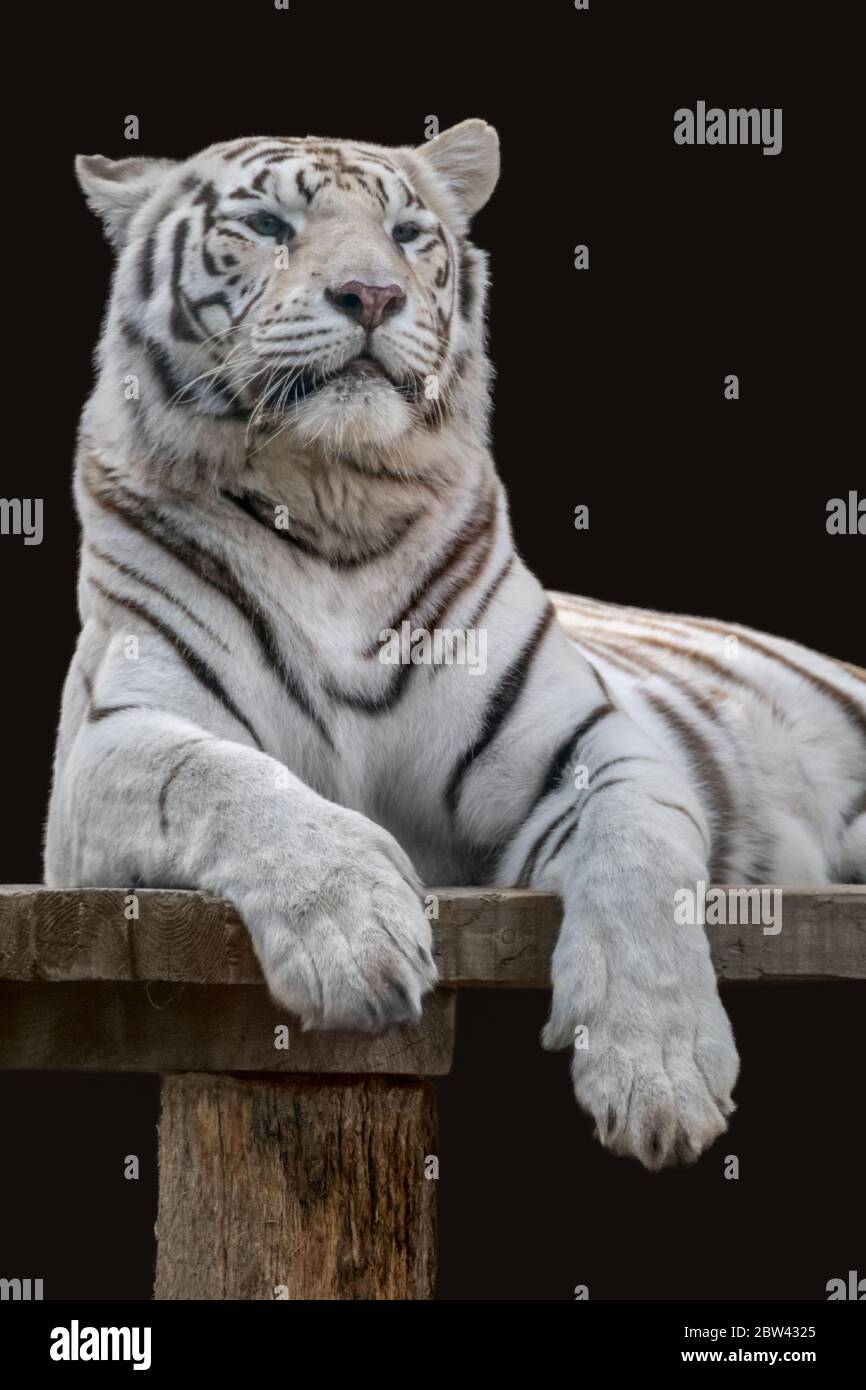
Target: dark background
609,392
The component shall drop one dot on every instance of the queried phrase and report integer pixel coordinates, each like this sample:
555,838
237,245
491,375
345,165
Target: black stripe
369,157
633,653
627,758
374,704
845,702
709,774
132,573
501,704
444,271
252,504
180,321
287,147
210,569
235,235
98,712
236,151
680,683
525,875
167,781
572,829
157,359
145,264
672,806
203,673
538,844
598,680
207,198
175,390
563,755
458,583
491,590
472,531
568,748
686,626
305,191
467,283
602,650
853,671
384,475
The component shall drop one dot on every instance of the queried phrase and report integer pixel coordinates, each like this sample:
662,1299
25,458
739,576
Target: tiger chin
285,458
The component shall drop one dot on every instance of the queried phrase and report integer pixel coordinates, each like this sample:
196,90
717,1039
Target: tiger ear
466,157
116,188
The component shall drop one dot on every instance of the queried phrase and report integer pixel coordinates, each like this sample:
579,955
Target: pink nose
367,304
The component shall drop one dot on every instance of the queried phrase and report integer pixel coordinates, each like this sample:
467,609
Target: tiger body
283,489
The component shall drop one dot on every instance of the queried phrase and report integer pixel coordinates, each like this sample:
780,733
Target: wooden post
296,1188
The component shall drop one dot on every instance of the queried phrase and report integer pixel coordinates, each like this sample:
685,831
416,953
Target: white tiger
285,455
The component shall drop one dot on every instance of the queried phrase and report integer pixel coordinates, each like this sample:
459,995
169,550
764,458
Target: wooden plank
88,934
289,1188
167,1026
506,938
483,937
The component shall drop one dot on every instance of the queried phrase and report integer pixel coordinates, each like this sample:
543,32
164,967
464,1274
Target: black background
609,392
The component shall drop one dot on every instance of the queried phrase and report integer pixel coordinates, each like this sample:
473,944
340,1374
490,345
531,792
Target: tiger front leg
634,993
330,899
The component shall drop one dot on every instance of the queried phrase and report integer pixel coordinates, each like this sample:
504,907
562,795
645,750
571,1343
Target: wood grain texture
483,937
286,1188
506,938
163,1027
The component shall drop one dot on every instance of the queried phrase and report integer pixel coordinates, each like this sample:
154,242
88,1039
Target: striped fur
266,483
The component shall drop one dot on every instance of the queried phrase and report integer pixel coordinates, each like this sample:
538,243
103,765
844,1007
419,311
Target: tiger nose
367,304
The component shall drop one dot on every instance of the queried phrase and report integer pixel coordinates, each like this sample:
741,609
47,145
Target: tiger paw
344,942
654,1063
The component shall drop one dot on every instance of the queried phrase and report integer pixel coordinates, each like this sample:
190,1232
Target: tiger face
321,288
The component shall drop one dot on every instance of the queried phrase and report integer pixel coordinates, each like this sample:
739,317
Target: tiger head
322,289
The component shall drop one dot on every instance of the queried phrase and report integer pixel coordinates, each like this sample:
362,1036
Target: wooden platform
483,937
315,1177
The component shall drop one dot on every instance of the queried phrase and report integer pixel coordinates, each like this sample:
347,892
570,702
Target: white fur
315,840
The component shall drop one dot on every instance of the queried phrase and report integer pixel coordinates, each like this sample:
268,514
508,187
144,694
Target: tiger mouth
364,365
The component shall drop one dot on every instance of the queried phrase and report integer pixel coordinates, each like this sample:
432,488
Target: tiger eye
405,231
269,224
